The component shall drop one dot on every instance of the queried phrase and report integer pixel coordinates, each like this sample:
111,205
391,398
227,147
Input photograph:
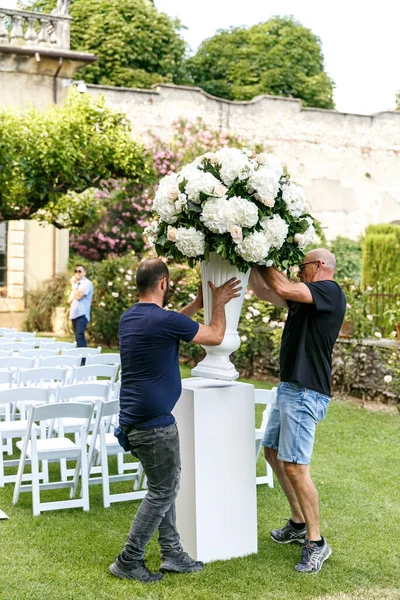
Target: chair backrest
50,344
60,361
42,375
59,411
84,352
21,335
106,358
4,353
15,346
6,377
23,395
4,330
6,340
83,391
38,352
41,340
17,361
88,372
267,398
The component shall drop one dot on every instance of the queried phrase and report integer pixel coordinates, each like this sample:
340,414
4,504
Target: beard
165,297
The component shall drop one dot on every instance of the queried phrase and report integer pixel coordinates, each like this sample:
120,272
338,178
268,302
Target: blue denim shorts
292,422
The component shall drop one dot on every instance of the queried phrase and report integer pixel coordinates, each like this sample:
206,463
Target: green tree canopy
136,45
279,57
51,161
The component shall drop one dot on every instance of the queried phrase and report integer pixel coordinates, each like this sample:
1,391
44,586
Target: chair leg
84,474
105,475
35,479
2,449
120,462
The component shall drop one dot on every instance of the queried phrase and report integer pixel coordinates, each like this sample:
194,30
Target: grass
64,555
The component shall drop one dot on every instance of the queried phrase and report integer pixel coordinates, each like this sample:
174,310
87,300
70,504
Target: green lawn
64,555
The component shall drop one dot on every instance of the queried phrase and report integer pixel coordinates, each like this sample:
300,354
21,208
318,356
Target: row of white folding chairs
64,347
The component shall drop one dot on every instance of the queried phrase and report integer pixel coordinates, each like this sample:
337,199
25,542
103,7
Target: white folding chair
104,443
92,372
46,377
4,353
21,335
42,340
60,361
105,358
38,352
6,381
55,449
84,352
4,330
50,344
267,398
11,429
16,346
15,362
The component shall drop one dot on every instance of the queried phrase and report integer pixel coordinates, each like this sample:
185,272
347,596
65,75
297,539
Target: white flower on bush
244,338
110,283
388,379
102,304
115,294
254,248
370,317
265,183
190,241
243,212
216,215
276,230
303,239
200,182
265,319
128,277
249,316
129,271
233,163
121,270
295,198
171,233
266,159
236,233
378,334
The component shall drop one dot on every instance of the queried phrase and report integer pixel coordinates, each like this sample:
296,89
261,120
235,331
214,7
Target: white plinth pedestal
217,504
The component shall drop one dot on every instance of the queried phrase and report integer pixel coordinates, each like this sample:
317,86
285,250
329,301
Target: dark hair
149,274
79,265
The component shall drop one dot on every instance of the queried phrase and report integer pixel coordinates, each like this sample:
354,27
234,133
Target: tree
279,57
51,161
136,45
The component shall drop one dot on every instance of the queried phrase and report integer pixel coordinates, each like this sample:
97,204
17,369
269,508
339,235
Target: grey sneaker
182,563
313,557
289,535
133,569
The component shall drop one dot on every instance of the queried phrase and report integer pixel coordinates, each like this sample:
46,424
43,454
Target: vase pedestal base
209,368
217,505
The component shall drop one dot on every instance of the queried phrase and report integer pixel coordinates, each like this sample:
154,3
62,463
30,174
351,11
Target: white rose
236,233
243,212
295,198
254,248
190,241
121,270
110,283
220,190
271,162
171,233
265,183
102,304
388,379
128,277
306,238
216,215
276,230
115,294
244,338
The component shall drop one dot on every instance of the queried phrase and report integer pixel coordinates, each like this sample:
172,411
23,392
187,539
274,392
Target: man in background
80,300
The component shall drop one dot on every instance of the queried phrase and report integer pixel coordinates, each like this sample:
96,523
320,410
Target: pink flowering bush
128,206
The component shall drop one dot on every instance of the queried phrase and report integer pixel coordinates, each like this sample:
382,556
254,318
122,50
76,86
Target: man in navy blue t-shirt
316,310
150,387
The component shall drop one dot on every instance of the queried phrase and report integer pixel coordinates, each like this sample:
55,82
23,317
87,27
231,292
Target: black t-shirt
310,333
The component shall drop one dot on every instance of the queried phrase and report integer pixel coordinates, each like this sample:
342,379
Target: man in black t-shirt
316,310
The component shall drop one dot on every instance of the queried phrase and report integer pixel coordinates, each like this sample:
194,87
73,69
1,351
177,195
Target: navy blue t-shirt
150,378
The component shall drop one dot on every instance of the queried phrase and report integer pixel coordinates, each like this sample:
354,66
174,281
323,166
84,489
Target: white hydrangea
151,233
303,239
166,203
265,183
200,181
295,198
233,164
243,212
188,171
190,241
254,248
276,230
268,160
216,215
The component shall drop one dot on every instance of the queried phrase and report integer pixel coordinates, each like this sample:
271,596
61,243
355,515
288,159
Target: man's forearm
274,278
190,309
218,320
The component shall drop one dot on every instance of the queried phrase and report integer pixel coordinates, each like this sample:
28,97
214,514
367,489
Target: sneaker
313,557
289,535
133,569
182,563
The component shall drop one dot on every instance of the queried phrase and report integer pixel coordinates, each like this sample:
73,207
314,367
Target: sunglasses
78,271
310,262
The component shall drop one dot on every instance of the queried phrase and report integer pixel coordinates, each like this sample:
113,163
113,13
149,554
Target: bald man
316,310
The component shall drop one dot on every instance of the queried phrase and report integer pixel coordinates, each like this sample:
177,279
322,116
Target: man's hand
73,280
224,293
198,301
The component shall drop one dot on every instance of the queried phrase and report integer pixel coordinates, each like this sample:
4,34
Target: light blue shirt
81,307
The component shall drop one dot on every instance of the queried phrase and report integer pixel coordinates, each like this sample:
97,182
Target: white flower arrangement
236,203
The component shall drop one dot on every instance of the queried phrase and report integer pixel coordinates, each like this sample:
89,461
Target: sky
360,44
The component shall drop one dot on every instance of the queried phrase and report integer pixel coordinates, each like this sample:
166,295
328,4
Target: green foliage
45,155
348,258
41,302
278,57
136,45
381,255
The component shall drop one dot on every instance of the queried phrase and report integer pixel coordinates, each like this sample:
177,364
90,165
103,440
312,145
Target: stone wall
349,164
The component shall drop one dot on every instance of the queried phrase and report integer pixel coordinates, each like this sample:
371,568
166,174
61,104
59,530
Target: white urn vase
217,365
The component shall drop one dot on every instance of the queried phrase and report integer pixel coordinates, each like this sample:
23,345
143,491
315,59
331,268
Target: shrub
381,254
43,300
348,258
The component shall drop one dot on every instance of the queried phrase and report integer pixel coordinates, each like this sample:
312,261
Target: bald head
149,274
326,257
